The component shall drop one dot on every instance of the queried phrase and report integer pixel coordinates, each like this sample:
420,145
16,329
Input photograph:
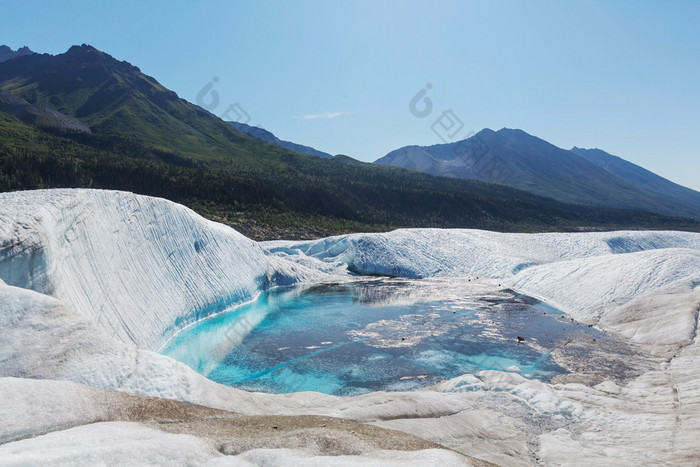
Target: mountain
517,159
262,134
147,140
640,176
114,97
7,53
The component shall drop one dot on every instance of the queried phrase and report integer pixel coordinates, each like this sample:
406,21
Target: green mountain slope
114,97
146,140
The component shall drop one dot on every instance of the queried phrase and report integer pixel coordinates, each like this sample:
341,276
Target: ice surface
96,280
122,443
108,443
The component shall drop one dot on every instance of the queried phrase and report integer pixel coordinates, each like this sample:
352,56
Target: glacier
89,250
93,283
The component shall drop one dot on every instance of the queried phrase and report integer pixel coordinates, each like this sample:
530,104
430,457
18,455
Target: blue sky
623,76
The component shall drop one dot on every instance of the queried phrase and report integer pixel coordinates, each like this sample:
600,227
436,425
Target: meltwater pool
381,334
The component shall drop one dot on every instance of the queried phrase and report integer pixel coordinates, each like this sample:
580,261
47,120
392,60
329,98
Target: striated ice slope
137,266
91,282
442,252
44,339
590,288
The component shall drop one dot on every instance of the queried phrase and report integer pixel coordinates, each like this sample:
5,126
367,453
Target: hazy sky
623,76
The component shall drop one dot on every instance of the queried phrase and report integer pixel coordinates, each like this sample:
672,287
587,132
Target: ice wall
137,266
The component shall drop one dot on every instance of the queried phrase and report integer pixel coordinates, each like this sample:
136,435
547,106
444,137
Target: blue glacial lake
380,334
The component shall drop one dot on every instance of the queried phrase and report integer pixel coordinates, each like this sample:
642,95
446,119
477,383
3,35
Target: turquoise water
357,337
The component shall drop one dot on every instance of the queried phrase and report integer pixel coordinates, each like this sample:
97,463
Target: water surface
380,334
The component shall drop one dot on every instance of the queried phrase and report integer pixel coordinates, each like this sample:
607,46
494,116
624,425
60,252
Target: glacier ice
92,282
137,266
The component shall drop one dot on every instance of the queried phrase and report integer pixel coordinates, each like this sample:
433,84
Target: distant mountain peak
515,158
6,53
513,132
262,134
82,48
576,148
88,54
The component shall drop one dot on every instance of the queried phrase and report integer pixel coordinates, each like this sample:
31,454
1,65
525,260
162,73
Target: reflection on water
381,334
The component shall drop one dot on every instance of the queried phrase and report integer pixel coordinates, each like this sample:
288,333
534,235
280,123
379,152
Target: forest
303,197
